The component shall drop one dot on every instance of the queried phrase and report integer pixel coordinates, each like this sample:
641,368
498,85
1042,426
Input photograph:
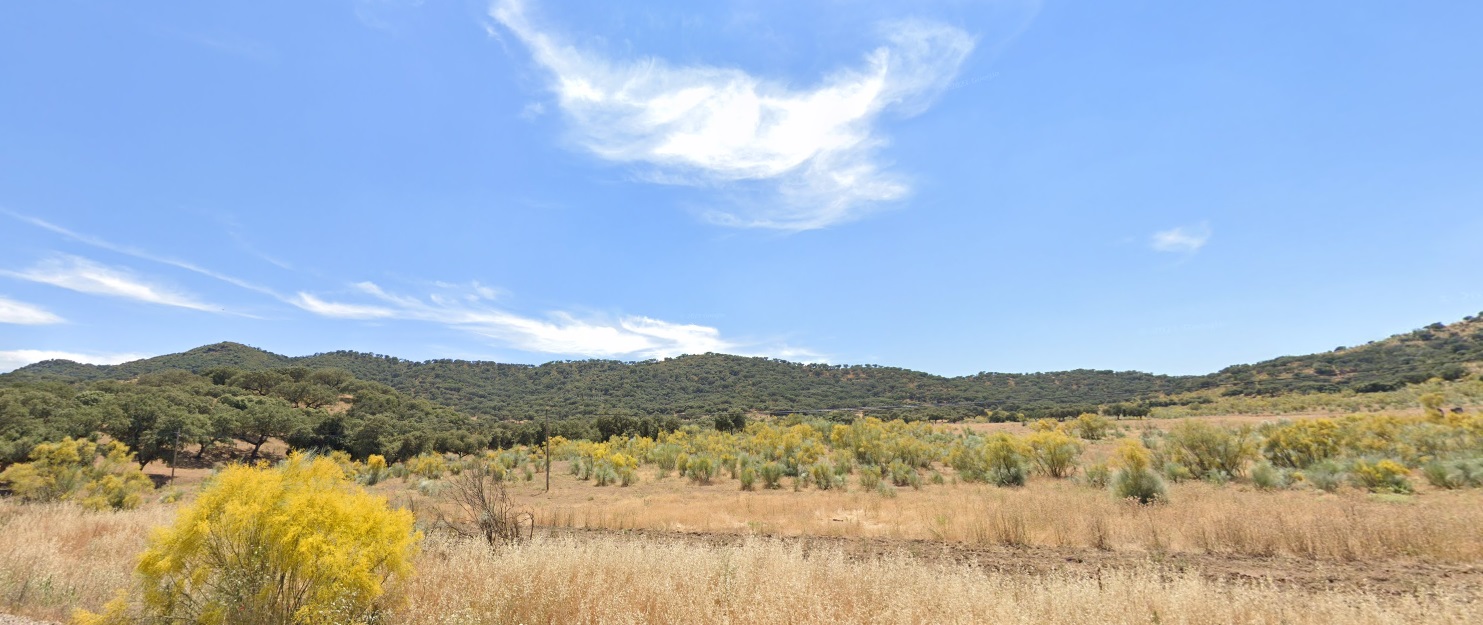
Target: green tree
260,382
265,418
135,419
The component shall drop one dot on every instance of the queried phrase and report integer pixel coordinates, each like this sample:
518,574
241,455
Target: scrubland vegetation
1353,491
310,495
68,558
1375,451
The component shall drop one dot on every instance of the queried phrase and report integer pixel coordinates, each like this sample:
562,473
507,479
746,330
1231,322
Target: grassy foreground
1438,525
60,557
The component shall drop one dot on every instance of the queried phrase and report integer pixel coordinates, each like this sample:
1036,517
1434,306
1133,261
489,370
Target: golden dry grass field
668,550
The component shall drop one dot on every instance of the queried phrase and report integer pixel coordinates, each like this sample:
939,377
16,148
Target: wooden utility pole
175,455
547,428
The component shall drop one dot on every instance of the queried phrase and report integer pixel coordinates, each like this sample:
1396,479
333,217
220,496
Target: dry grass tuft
58,556
1439,526
611,579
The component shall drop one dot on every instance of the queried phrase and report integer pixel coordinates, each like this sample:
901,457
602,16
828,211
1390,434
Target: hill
1439,350
719,383
196,360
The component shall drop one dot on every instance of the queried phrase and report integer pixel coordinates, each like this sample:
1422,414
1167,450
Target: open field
1441,526
66,558
668,549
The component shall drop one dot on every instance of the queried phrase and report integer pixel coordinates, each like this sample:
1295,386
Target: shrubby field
258,490
1365,518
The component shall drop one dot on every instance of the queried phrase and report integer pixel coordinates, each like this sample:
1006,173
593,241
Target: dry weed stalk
484,510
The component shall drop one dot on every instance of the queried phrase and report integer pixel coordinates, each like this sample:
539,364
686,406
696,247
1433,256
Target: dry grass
1440,526
56,557
628,580
59,557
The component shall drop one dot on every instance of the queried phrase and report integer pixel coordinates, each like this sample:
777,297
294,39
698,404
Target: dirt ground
1394,577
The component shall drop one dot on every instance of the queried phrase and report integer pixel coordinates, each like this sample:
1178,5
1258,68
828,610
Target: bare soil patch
1391,577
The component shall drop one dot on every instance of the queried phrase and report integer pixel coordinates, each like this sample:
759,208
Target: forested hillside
717,383
690,385
169,412
1450,352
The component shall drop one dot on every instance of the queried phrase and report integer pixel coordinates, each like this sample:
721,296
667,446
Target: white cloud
340,311
556,333
807,156
1187,240
13,359
100,243
85,276
22,313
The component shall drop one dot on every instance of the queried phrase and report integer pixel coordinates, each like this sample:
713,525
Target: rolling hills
715,383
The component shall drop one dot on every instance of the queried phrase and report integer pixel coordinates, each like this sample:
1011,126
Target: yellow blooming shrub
99,476
1303,443
1135,479
1131,455
427,465
296,544
1382,475
1090,426
1054,453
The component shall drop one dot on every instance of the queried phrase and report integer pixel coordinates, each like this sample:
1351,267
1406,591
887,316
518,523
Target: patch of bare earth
1388,577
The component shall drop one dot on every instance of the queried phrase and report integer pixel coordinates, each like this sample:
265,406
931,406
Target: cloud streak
466,307
104,244
557,333
21,313
806,158
13,359
1185,240
85,276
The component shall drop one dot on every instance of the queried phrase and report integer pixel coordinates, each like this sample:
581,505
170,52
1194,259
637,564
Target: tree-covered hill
196,360
719,383
1447,351
161,414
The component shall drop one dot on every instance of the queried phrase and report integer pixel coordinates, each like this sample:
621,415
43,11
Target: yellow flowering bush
99,476
1054,453
427,465
1382,475
297,544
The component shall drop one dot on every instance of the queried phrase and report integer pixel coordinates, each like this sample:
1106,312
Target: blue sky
950,186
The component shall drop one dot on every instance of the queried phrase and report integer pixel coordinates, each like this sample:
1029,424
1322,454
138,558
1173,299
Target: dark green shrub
1325,475
772,475
1267,477
748,477
1142,485
1097,475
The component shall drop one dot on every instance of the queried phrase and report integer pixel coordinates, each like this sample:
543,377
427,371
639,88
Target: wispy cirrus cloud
341,310
628,336
1182,239
21,313
467,307
13,359
104,244
805,158
85,276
